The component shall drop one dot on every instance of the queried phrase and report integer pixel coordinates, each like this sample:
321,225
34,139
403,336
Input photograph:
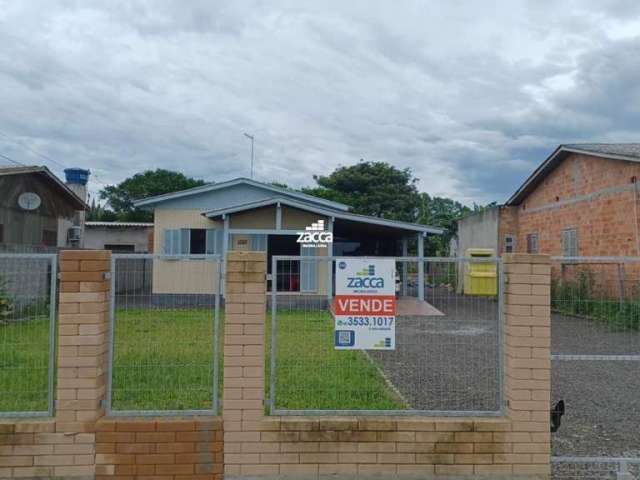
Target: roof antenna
250,137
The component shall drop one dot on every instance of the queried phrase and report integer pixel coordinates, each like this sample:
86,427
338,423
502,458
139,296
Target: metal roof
219,212
616,151
119,224
42,170
217,186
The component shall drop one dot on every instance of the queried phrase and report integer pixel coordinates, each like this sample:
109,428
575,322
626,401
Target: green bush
577,297
6,304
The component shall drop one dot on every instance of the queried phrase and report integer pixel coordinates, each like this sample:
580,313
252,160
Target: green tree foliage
382,190
97,213
146,184
371,188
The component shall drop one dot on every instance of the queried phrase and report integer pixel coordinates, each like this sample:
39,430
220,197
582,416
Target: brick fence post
82,340
244,341
527,320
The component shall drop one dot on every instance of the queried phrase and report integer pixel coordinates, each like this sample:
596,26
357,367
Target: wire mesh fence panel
595,343
27,333
595,306
445,357
595,468
165,346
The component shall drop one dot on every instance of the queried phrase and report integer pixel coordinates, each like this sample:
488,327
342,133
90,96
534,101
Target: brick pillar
245,307
82,339
527,358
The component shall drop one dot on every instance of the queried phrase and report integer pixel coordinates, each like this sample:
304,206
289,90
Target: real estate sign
364,307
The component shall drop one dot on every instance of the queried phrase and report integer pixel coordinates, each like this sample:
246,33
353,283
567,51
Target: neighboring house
119,237
581,201
243,214
38,212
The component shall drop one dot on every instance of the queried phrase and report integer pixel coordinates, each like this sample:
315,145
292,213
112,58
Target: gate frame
500,371
51,367
217,348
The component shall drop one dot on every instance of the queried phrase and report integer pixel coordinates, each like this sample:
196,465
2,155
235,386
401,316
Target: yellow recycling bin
480,278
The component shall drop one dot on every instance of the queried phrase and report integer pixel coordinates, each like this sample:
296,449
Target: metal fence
447,358
595,342
27,334
164,350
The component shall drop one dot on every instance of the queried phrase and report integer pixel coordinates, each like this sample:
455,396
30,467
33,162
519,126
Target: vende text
364,305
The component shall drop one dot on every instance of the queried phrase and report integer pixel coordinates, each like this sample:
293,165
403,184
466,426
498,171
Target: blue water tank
77,175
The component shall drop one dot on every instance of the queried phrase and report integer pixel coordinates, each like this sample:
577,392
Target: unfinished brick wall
517,444
597,196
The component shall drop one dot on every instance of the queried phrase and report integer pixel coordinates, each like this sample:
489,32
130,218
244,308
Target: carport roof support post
420,266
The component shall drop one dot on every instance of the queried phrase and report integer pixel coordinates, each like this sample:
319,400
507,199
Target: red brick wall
594,195
171,449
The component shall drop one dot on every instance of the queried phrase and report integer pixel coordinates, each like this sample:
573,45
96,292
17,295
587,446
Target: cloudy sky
471,95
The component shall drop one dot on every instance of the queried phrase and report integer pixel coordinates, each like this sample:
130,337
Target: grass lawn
311,374
24,353
163,360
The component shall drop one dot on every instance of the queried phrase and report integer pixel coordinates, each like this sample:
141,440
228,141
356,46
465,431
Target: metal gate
28,299
164,349
447,349
595,339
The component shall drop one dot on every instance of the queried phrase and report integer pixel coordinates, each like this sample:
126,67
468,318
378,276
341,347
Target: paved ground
448,362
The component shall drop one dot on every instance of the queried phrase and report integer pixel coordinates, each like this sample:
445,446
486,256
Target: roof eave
146,202
220,212
558,155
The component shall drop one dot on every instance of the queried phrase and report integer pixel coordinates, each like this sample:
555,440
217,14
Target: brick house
581,201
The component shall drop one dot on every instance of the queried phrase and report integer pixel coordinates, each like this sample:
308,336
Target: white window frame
533,243
569,242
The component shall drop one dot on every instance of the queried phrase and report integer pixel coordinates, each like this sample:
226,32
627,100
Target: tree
97,213
146,184
371,188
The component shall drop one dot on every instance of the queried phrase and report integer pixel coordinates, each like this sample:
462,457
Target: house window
49,238
570,242
509,244
532,243
193,241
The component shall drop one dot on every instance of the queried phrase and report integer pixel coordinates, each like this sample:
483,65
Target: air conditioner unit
75,233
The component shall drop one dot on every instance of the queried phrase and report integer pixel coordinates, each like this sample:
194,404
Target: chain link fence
595,339
165,342
28,300
447,358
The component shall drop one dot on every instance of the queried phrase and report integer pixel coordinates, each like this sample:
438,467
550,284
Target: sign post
365,304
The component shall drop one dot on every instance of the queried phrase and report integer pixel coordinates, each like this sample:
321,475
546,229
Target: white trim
237,181
278,216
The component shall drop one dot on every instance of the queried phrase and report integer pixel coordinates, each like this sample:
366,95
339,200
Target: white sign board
365,304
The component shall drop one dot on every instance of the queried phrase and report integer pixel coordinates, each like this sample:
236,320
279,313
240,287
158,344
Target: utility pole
250,137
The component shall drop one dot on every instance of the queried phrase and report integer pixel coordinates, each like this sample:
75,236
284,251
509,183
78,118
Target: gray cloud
470,95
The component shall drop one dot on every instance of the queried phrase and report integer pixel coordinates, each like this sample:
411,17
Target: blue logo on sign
345,338
342,265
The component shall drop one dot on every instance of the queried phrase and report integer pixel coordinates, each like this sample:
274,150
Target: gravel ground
602,397
448,363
